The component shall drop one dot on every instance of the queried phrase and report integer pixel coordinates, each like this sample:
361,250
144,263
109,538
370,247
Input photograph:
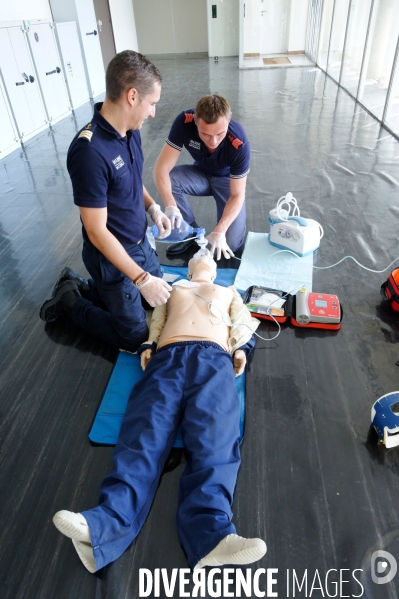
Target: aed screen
321,304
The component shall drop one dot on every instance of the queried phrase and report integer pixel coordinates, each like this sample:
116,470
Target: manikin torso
189,317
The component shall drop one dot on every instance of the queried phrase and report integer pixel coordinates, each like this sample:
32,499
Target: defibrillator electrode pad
216,309
185,283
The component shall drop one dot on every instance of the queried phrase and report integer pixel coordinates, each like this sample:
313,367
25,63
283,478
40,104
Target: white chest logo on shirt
195,144
118,162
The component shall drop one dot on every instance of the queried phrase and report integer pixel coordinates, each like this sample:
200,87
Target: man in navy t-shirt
105,163
221,153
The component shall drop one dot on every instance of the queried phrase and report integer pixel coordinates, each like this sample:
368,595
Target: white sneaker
234,550
76,528
85,552
72,525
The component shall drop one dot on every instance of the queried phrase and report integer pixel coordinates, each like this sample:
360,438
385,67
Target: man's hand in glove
219,244
154,290
160,219
175,216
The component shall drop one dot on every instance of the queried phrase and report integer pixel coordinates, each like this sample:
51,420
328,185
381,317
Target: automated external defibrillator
303,309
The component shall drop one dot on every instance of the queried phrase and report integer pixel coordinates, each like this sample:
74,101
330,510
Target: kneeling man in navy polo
221,153
105,163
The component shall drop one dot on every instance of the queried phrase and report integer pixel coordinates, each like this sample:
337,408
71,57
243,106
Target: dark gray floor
313,482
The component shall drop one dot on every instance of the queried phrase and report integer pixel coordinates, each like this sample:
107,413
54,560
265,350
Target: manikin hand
145,357
155,291
160,219
219,244
175,216
239,361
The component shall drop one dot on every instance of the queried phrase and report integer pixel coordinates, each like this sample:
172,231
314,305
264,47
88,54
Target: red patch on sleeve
235,142
188,117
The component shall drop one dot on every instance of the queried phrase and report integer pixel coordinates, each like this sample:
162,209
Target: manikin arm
240,335
239,314
239,361
157,323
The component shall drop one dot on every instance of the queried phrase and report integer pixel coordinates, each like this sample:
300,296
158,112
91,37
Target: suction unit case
300,235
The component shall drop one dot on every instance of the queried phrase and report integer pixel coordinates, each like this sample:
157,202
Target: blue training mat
127,371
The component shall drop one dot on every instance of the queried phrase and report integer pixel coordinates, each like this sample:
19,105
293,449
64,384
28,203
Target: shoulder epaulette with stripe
235,142
188,117
86,133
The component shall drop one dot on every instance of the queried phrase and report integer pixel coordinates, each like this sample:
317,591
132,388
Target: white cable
339,262
358,263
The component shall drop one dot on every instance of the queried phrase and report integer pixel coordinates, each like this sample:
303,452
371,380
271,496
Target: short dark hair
211,108
130,69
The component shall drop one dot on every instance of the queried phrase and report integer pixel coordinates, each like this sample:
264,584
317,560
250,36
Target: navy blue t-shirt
231,157
106,172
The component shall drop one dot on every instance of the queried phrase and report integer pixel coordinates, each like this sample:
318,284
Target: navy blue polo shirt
106,172
231,157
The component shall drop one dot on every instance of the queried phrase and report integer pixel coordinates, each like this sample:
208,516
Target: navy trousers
192,384
191,180
113,308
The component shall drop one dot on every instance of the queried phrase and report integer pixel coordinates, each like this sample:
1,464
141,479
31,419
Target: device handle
302,221
302,315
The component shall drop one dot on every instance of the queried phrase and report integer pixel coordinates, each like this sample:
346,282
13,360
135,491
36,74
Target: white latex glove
160,219
175,216
239,361
145,357
219,244
155,291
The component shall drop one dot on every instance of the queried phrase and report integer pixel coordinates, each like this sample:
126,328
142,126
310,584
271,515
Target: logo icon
383,567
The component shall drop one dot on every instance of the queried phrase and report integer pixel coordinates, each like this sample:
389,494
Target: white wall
171,26
223,31
297,25
17,10
123,25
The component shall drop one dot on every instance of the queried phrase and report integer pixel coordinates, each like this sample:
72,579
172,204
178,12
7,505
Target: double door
9,137
21,83
48,65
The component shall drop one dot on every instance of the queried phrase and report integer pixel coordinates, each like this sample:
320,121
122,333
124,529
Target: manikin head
202,269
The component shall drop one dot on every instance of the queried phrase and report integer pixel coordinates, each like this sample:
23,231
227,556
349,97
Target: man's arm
95,223
217,238
148,200
166,160
233,205
155,290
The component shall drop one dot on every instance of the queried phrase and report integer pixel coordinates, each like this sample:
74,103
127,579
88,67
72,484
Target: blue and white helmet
385,420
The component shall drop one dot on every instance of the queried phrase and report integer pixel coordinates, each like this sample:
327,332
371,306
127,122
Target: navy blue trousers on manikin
193,384
113,309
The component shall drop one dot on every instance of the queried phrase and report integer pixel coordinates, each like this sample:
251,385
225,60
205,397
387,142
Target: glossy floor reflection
313,483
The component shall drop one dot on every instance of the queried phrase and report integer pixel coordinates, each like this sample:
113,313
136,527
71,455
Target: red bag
390,289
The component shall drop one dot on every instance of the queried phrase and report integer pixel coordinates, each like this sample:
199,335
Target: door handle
92,33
